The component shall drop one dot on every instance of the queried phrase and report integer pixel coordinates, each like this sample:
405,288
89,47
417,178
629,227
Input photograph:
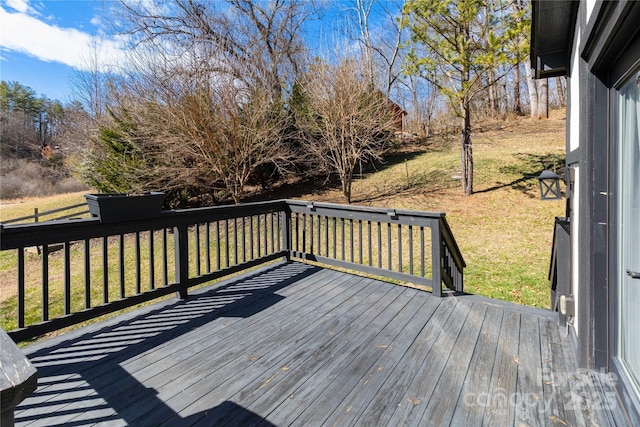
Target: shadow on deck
294,344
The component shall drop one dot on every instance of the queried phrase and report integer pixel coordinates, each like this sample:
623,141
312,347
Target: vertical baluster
411,249
369,243
400,247
67,278
87,273
45,283
235,241
334,220
226,243
280,227
121,264
310,233
273,232
351,239
294,216
304,232
165,259
20,308
326,236
422,251
244,238
152,263
181,257
105,269
344,255
138,262
197,243
389,260
318,226
360,240
379,245
436,258
217,245
208,243
251,237
258,235
264,237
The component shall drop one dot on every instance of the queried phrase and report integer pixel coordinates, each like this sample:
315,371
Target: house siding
606,48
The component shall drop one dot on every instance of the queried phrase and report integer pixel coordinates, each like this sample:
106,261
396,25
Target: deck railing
404,245
102,268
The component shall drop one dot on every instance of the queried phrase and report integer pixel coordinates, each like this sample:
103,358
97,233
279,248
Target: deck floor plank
440,408
371,383
391,395
218,387
347,374
294,344
287,393
502,384
529,397
422,386
469,411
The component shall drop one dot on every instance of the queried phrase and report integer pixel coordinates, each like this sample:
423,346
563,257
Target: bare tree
91,85
262,37
232,132
348,121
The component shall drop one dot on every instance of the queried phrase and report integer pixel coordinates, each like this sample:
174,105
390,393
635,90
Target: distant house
399,115
596,44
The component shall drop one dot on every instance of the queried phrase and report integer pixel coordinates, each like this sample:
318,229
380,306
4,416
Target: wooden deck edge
543,313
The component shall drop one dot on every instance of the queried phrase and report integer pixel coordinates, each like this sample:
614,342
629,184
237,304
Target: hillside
504,230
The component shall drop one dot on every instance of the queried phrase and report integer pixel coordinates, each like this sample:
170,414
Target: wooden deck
294,344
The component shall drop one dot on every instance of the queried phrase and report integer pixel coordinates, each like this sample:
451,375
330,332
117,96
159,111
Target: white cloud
26,34
21,6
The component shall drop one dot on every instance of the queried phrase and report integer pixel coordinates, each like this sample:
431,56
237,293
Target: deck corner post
286,232
181,251
436,258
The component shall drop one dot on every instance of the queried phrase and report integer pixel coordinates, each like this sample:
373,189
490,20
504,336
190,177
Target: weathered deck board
294,344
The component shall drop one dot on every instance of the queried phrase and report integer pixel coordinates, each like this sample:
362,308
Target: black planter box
123,207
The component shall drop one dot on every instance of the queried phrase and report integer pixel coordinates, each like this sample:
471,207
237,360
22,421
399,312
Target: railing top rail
450,241
33,234
324,208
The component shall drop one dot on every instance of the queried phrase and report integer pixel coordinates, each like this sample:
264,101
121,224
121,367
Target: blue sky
42,43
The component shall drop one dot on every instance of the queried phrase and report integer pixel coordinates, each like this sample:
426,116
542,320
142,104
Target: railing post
181,251
436,257
286,231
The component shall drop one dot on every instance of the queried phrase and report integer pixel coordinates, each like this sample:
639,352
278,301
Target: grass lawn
504,230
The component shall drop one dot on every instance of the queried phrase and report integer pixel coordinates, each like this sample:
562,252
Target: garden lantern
549,183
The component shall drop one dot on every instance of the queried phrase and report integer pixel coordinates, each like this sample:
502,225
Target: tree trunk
561,91
517,104
543,98
467,150
493,98
533,94
516,9
346,186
